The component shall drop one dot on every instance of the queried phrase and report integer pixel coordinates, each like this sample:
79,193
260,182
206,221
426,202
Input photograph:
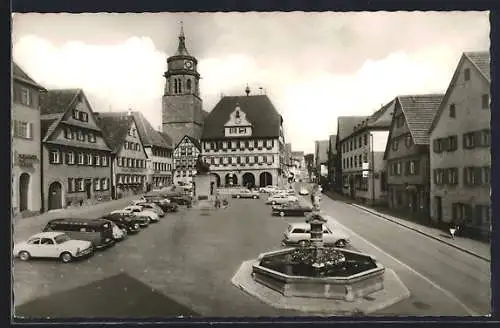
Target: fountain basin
362,275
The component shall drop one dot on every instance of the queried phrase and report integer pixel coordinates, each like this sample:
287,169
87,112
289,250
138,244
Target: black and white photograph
250,164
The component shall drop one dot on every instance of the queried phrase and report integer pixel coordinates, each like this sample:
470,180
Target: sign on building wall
366,167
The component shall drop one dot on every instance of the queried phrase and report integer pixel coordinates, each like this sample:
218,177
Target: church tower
182,112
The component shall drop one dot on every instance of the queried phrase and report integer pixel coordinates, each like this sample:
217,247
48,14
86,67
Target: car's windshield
59,239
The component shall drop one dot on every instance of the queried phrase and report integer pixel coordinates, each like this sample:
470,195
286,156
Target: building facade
182,112
26,156
407,154
243,142
129,170
461,148
298,168
186,154
362,151
159,151
345,127
75,156
332,162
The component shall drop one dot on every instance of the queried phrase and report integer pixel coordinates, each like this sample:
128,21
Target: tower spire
181,49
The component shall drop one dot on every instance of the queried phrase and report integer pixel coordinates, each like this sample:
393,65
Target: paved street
191,258
443,280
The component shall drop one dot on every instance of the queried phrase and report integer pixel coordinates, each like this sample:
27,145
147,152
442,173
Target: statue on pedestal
201,166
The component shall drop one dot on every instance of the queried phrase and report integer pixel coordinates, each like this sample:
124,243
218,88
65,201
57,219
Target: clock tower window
188,85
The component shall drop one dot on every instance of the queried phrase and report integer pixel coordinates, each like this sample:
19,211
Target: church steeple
181,49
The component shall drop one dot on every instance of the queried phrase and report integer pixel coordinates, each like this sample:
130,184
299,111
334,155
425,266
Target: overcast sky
313,66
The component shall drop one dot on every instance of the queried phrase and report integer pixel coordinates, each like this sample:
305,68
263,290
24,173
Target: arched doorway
266,179
55,195
231,179
24,187
248,179
217,177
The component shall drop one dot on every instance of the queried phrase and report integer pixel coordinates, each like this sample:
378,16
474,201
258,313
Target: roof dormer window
237,114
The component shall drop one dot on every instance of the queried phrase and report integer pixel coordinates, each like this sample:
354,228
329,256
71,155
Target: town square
160,171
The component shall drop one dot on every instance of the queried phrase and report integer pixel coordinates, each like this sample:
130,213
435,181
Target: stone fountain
312,277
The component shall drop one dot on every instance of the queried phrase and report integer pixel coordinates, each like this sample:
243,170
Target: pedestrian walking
453,229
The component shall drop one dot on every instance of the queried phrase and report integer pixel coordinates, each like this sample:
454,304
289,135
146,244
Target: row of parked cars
70,238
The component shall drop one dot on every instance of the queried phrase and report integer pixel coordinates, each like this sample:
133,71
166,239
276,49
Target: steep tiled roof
167,139
114,127
346,124
259,111
20,75
482,61
47,125
58,100
419,112
149,136
195,142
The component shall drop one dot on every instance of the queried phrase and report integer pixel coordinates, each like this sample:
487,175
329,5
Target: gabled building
298,168
243,142
26,155
75,156
407,154
332,162
186,154
128,170
345,127
363,163
159,150
460,158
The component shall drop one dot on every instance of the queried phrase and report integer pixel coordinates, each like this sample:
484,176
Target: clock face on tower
188,64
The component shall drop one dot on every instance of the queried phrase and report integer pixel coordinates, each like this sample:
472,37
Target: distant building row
423,155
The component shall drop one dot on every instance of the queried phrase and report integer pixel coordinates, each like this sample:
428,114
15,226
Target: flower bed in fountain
345,275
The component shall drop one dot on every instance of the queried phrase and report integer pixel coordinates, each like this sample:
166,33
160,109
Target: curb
423,233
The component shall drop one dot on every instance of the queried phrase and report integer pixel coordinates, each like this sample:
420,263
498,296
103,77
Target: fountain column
316,221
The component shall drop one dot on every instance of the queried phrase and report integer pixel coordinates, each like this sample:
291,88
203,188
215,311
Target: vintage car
291,209
143,220
97,231
303,192
164,203
125,221
52,244
245,193
268,189
138,210
299,233
281,199
147,206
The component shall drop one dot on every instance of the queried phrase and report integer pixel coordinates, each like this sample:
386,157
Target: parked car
180,199
124,221
283,192
151,207
164,203
52,245
245,193
300,233
281,199
291,209
143,220
303,191
153,217
268,189
118,233
99,232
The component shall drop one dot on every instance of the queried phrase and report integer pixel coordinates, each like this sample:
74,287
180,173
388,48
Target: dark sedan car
180,200
165,204
131,223
291,209
142,220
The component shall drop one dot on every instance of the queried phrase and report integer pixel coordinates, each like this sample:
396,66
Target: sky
313,66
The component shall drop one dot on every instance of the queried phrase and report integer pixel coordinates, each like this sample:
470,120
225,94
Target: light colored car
268,189
52,244
245,193
300,233
152,207
138,210
281,199
303,191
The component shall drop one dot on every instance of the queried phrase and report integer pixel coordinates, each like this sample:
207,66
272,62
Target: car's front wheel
66,257
340,243
24,256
